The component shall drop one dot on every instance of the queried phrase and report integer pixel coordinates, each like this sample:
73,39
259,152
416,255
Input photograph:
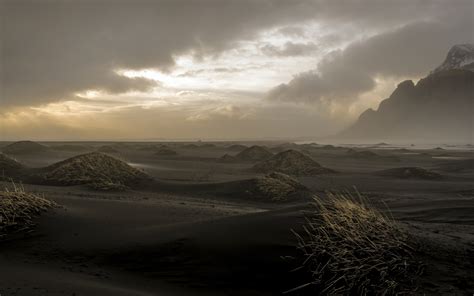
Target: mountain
459,57
438,107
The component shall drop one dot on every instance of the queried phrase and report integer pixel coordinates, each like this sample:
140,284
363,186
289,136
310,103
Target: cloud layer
211,62
412,50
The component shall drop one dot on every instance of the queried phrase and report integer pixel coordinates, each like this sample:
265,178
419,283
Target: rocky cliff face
439,106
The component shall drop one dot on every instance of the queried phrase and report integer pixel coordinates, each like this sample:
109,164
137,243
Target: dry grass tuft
277,186
18,210
351,248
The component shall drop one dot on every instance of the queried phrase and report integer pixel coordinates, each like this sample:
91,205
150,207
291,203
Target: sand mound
254,153
18,209
91,168
165,152
107,149
24,147
227,158
291,162
410,173
275,187
362,154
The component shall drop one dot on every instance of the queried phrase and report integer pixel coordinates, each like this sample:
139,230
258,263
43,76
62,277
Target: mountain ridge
437,106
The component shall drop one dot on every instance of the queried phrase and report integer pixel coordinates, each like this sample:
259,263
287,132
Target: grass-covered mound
275,187
94,169
351,248
24,147
18,209
9,167
410,173
291,162
254,153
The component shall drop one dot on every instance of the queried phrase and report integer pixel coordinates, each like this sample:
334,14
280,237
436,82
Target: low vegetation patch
276,187
92,168
291,162
351,248
18,209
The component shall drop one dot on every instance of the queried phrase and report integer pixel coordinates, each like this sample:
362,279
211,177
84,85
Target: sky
212,69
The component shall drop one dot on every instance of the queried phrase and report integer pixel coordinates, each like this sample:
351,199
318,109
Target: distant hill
439,106
24,147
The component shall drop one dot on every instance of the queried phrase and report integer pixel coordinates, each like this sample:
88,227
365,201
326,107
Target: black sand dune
273,187
254,153
291,162
24,147
410,173
90,168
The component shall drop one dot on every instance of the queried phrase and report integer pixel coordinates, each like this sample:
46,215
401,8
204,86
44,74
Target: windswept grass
18,209
351,248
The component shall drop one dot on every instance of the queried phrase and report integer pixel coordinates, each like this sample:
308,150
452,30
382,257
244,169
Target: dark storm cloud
409,51
289,49
53,48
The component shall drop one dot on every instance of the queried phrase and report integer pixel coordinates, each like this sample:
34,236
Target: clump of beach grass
352,248
18,209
